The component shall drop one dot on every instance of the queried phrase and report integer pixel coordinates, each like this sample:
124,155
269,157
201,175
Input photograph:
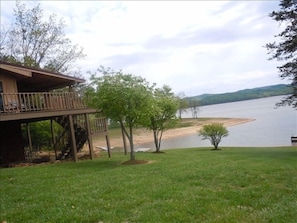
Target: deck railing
97,125
45,101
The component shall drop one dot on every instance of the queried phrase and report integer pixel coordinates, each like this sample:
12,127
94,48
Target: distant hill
247,94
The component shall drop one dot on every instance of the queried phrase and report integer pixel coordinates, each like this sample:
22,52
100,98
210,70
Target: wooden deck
29,102
16,106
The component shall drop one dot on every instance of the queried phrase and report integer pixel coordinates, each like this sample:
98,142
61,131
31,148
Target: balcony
29,105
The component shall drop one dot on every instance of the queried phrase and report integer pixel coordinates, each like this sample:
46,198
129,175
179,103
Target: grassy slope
183,185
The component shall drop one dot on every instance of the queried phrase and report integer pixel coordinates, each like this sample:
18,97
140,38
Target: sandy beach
146,136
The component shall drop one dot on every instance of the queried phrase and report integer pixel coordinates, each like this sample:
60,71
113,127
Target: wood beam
29,139
107,139
91,149
108,144
72,136
53,139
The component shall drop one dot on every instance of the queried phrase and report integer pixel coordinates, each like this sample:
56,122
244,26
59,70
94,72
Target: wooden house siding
9,84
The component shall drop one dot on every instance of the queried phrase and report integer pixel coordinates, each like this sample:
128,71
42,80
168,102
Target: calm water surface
272,126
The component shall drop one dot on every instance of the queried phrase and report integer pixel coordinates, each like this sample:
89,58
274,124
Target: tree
41,134
193,104
162,113
123,98
35,42
214,132
183,104
286,48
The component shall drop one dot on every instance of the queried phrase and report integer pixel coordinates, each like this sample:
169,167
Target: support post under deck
91,149
72,136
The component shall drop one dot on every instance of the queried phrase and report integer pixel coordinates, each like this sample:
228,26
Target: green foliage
285,49
121,97
247,94
38,42
162,113
182,185
194,106
214,132
183,103
41,134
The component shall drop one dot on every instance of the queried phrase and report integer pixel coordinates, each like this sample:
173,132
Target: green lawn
182,185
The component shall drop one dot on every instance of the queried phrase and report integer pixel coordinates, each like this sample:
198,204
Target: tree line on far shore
242,95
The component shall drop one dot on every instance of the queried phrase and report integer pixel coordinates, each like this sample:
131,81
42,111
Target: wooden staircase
80,136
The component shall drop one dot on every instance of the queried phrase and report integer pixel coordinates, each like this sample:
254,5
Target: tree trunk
132,153
160,139
124,140
156,141
130,138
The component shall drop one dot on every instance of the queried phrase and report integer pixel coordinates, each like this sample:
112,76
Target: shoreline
143,136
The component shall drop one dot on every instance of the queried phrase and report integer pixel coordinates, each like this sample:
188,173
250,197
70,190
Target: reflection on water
272,126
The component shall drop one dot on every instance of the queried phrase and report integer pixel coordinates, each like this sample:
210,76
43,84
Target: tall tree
194,105
123,98
162,113
286,47
38,42
183,103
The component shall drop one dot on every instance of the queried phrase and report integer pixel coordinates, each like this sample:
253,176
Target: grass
181,185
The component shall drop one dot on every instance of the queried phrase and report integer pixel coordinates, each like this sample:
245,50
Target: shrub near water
214,132
182,185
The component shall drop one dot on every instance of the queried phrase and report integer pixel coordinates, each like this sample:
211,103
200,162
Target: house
28,95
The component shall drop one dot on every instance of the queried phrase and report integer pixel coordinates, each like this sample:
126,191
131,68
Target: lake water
272,126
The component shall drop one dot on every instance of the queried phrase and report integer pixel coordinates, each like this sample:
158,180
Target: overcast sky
195,47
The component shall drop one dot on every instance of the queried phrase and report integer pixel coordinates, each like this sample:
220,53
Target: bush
214,132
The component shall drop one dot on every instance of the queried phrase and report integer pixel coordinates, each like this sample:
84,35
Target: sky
195,47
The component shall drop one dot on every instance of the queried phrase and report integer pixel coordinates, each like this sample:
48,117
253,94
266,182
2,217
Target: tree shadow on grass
159,152
135,162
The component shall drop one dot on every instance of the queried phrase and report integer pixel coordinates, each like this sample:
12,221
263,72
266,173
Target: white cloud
194,46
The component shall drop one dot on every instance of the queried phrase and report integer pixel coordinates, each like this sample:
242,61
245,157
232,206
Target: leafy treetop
38,42
286,48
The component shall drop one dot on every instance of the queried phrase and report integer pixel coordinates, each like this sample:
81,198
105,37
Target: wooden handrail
43,101
97,125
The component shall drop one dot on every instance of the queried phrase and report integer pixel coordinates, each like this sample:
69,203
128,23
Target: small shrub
214,132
